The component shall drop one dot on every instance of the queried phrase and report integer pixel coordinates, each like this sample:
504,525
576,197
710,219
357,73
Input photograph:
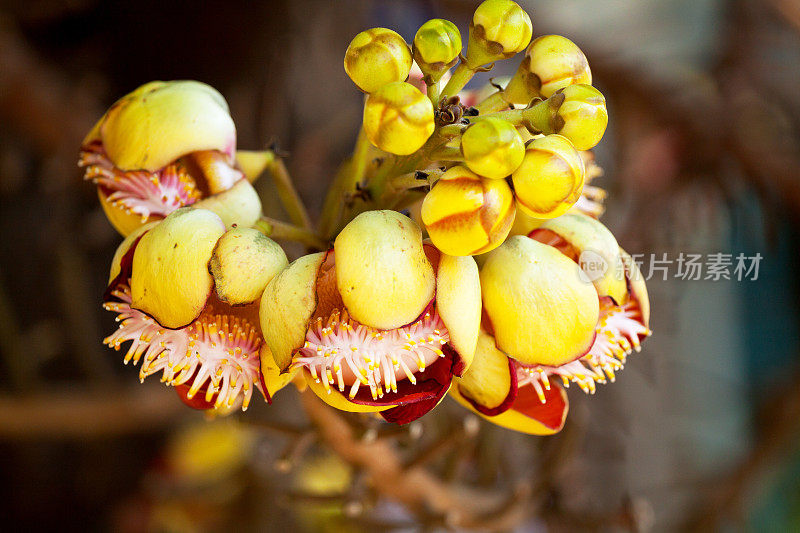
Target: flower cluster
487,291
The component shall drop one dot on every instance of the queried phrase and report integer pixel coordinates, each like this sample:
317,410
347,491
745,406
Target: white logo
593,266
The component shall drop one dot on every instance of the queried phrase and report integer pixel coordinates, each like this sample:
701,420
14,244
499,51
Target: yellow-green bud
376,57
558,63
499,29
492,148
550,179
552,62
398,118
578,112
436,47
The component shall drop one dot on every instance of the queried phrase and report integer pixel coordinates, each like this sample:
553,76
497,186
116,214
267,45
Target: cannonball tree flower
164,146
186,293
572,323
382,322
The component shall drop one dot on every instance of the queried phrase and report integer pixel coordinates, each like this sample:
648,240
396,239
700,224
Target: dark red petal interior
550,413
507,402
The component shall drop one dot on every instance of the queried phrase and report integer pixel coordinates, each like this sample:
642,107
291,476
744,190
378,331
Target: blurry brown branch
415,487
85,414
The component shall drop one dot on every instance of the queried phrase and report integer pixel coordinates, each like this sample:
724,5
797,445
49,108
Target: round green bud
398,118
376,57
492,148
499,29
436,47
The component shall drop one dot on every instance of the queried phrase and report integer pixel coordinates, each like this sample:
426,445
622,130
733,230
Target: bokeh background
700,432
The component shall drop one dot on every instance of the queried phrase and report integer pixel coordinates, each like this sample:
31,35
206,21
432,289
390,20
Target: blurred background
700,432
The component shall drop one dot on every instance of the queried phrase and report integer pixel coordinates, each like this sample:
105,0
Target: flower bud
380,259
558,63
552,62
550,178
499,29
398,118
376,57
578,112
466,214
540,309
162,121
436,47
243,262
492,148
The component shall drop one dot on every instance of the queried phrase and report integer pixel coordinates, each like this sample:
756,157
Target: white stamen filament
139,192
375,358
618,332
219,351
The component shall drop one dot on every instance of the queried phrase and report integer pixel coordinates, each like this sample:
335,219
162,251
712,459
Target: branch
413,487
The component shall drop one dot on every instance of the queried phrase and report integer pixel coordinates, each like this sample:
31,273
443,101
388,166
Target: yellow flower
379,323
504,384
466,214
164,146
186,293
550,179
398,118
376,57
499,29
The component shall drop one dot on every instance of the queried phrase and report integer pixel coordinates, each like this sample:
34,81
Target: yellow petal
254,163
273,378
170,279
527,414
597,251
287,304
337,399
540,309
488,381
382,273
242,264
125,245
638,288
458,301
162,121
238,205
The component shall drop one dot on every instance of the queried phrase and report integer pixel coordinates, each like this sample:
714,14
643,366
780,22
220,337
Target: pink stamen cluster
217,351
139,192
370,357
618,332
